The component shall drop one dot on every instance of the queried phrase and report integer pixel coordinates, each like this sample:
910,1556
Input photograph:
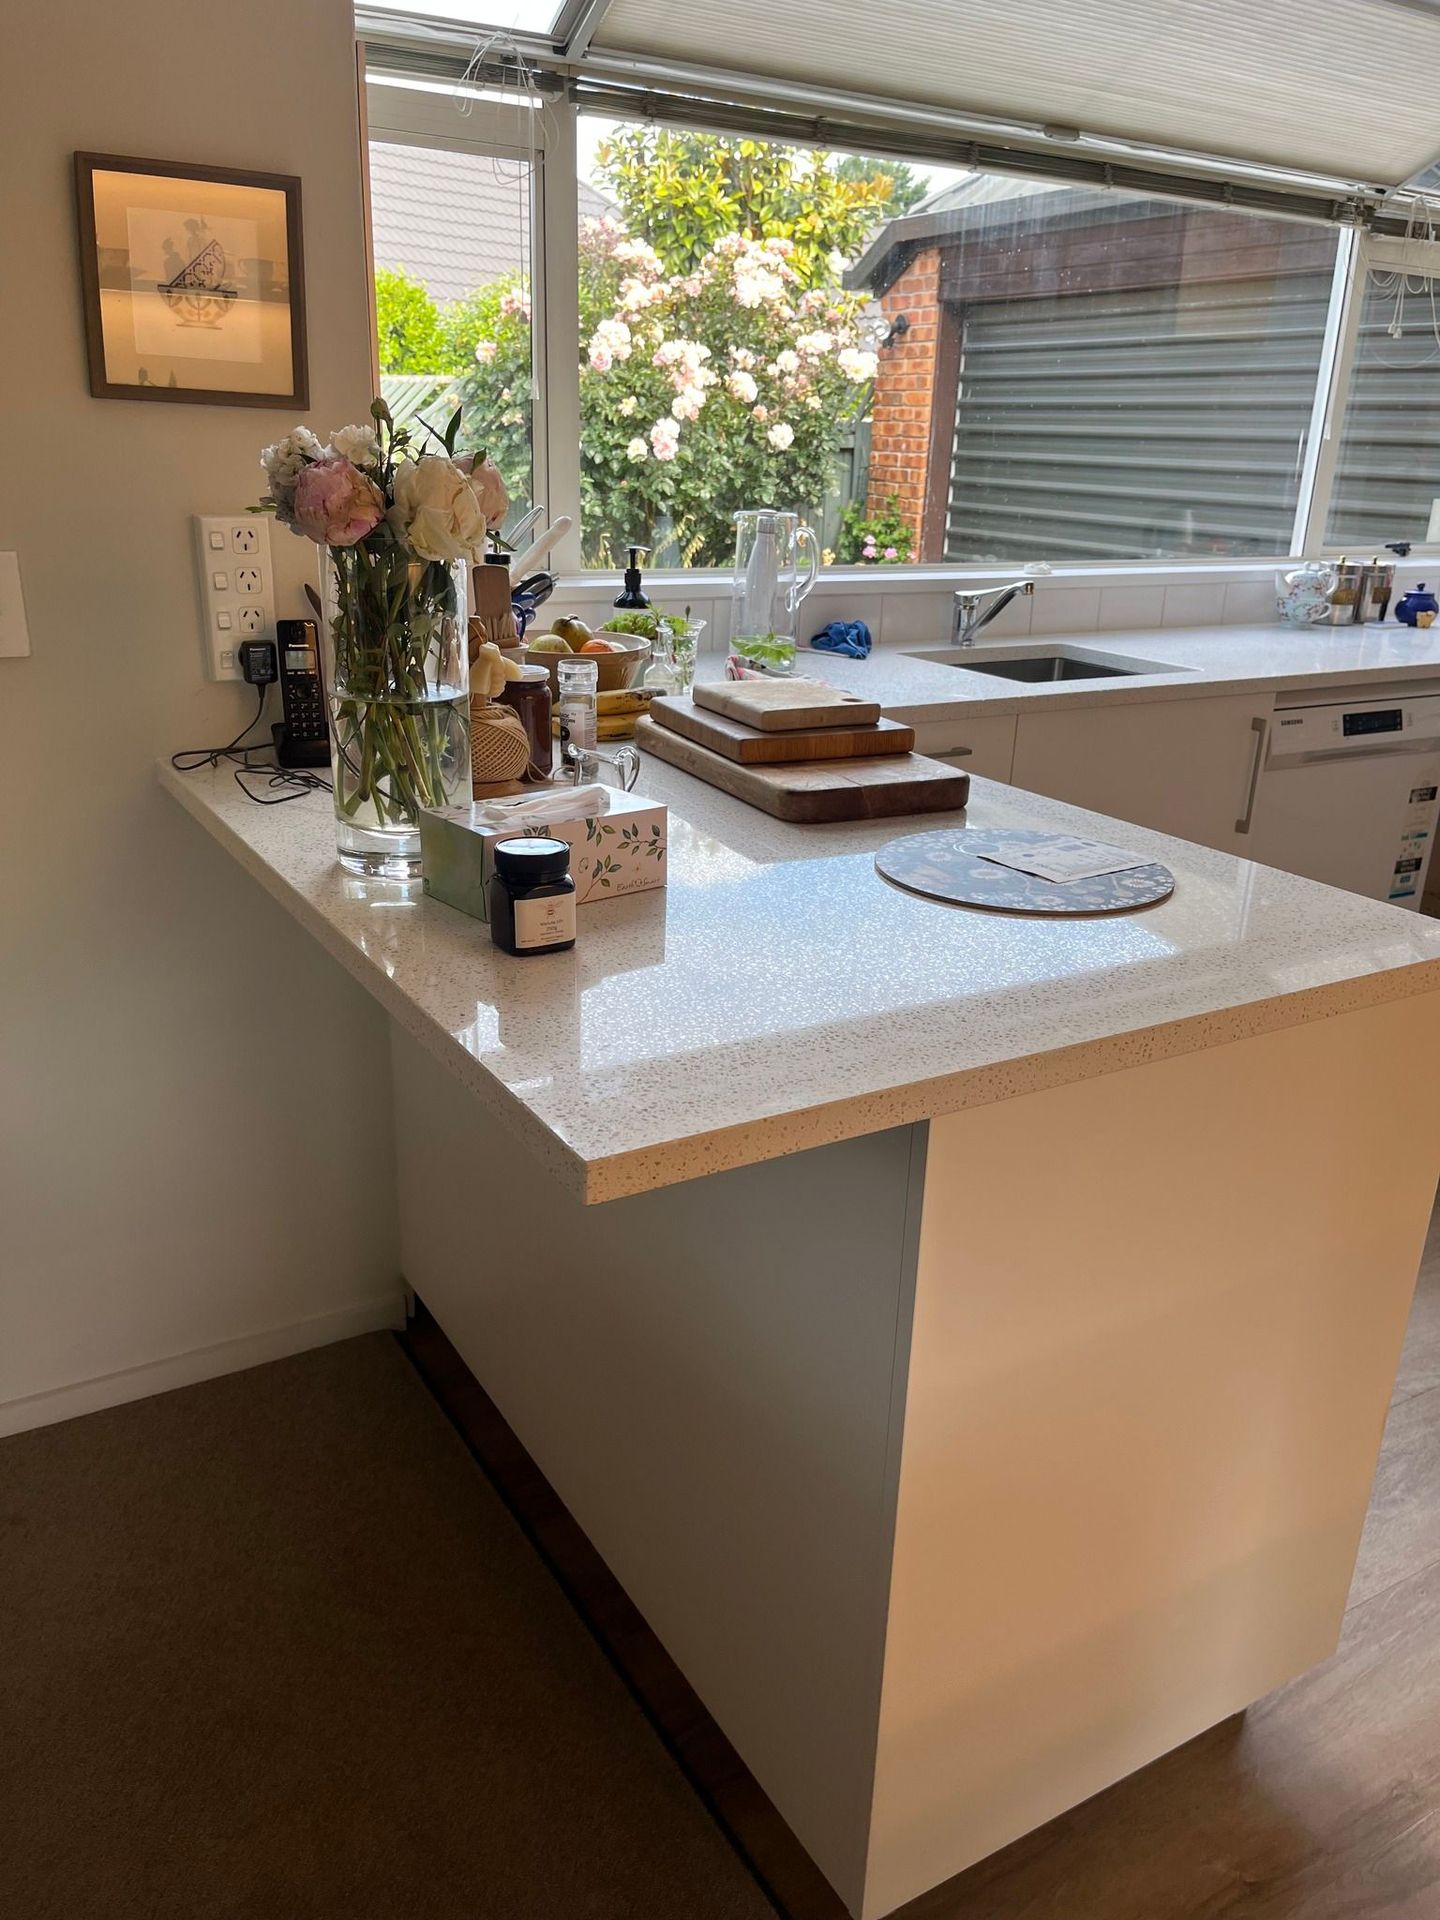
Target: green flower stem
398,638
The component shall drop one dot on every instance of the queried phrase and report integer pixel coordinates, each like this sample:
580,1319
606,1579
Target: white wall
167,1184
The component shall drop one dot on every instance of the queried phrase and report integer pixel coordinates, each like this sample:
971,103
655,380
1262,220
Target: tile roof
451,218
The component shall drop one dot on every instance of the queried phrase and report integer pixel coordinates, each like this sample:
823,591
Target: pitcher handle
805,537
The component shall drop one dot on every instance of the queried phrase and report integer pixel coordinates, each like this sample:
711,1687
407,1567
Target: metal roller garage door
1134,424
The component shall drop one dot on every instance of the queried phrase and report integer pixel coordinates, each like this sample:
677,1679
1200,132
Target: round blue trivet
946,865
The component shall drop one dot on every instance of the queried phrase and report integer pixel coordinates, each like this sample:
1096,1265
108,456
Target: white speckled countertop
1197,661
780,995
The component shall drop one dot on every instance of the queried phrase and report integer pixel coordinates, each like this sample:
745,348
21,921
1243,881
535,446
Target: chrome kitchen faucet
972,611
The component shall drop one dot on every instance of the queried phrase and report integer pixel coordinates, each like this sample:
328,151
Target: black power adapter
257,662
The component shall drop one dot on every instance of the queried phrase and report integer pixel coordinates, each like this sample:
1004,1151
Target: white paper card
1065,858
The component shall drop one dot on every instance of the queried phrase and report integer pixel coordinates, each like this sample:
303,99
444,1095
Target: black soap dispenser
634,594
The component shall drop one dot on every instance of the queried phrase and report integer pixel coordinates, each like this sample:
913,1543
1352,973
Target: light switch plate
237,587
14,633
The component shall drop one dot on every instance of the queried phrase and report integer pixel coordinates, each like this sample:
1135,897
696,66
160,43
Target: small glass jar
532,896
578,681
530,697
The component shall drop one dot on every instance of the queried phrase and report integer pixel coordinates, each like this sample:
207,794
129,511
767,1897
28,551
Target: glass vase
397,667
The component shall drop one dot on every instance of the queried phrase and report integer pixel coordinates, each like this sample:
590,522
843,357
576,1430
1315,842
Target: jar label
545,922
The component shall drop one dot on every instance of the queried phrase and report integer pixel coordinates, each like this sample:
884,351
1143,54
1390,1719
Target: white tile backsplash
822,607
1126,608
1065,610
917,619
1195,606
902,613
1250,600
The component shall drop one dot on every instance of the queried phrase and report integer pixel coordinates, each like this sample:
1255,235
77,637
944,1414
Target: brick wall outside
903,406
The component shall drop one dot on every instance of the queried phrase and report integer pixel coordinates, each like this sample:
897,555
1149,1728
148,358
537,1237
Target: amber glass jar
532,896
530,697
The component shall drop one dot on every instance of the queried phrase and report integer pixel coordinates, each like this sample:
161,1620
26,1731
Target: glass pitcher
769,588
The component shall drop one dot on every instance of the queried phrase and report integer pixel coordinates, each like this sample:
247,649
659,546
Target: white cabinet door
983,744
1187,767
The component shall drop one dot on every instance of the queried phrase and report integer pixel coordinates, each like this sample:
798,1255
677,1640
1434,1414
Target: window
1387,475
1128,378
451,225
932,366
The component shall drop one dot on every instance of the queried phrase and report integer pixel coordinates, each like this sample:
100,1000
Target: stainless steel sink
1047,664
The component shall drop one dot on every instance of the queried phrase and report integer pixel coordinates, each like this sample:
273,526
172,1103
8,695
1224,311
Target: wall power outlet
237,587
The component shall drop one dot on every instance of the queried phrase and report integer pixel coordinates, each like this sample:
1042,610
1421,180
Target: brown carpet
271,1647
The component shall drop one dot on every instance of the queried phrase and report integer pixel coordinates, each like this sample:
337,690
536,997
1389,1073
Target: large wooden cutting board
820,789
739,741
785,706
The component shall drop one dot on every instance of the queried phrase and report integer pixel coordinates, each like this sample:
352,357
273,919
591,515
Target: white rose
358,445
857,364
637,450
742,387
284,460
781,435
436,511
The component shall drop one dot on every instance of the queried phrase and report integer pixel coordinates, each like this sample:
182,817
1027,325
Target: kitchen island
967,1339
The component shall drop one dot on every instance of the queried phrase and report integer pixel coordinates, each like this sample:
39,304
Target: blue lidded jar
1417,608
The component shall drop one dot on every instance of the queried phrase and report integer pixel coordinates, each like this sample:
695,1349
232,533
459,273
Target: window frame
424,113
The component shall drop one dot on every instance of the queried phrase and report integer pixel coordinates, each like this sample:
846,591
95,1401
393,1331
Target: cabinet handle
1260,727
952,753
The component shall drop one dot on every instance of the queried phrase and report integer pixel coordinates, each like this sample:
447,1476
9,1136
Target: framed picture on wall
193,281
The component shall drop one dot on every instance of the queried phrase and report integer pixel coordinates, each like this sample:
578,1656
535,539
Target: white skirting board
201,1363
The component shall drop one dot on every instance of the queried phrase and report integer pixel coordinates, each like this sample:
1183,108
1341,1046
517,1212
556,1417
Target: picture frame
193,283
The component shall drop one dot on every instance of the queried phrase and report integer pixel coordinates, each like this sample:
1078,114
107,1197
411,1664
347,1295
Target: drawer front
973,745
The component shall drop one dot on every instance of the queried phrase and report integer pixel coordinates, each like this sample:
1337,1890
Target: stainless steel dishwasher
1348,792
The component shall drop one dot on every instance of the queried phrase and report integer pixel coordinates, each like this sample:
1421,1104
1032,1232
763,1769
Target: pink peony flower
892,553
335,505
488,486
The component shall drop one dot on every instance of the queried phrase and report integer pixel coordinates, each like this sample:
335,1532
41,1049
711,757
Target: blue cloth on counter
844,636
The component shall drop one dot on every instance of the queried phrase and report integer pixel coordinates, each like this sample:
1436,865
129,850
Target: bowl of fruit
619,657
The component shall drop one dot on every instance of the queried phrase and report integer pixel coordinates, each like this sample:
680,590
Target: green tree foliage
907,189
412,336
721,359
685,191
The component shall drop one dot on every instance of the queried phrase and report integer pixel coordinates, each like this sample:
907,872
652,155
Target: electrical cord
191,759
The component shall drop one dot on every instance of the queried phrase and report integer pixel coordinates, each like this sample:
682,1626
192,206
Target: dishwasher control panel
1359,726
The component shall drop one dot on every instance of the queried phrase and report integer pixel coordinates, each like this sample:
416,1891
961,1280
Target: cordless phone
304,738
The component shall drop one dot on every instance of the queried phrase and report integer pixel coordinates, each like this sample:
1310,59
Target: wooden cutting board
739,741
821,789
785,706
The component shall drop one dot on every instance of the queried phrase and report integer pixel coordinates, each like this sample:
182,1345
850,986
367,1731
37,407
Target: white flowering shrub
727,386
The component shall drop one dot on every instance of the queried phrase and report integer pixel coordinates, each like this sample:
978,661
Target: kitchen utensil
1346,596
1376,587
768,587
557,529
822,789
750,747
1302,594
524,524
785,706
